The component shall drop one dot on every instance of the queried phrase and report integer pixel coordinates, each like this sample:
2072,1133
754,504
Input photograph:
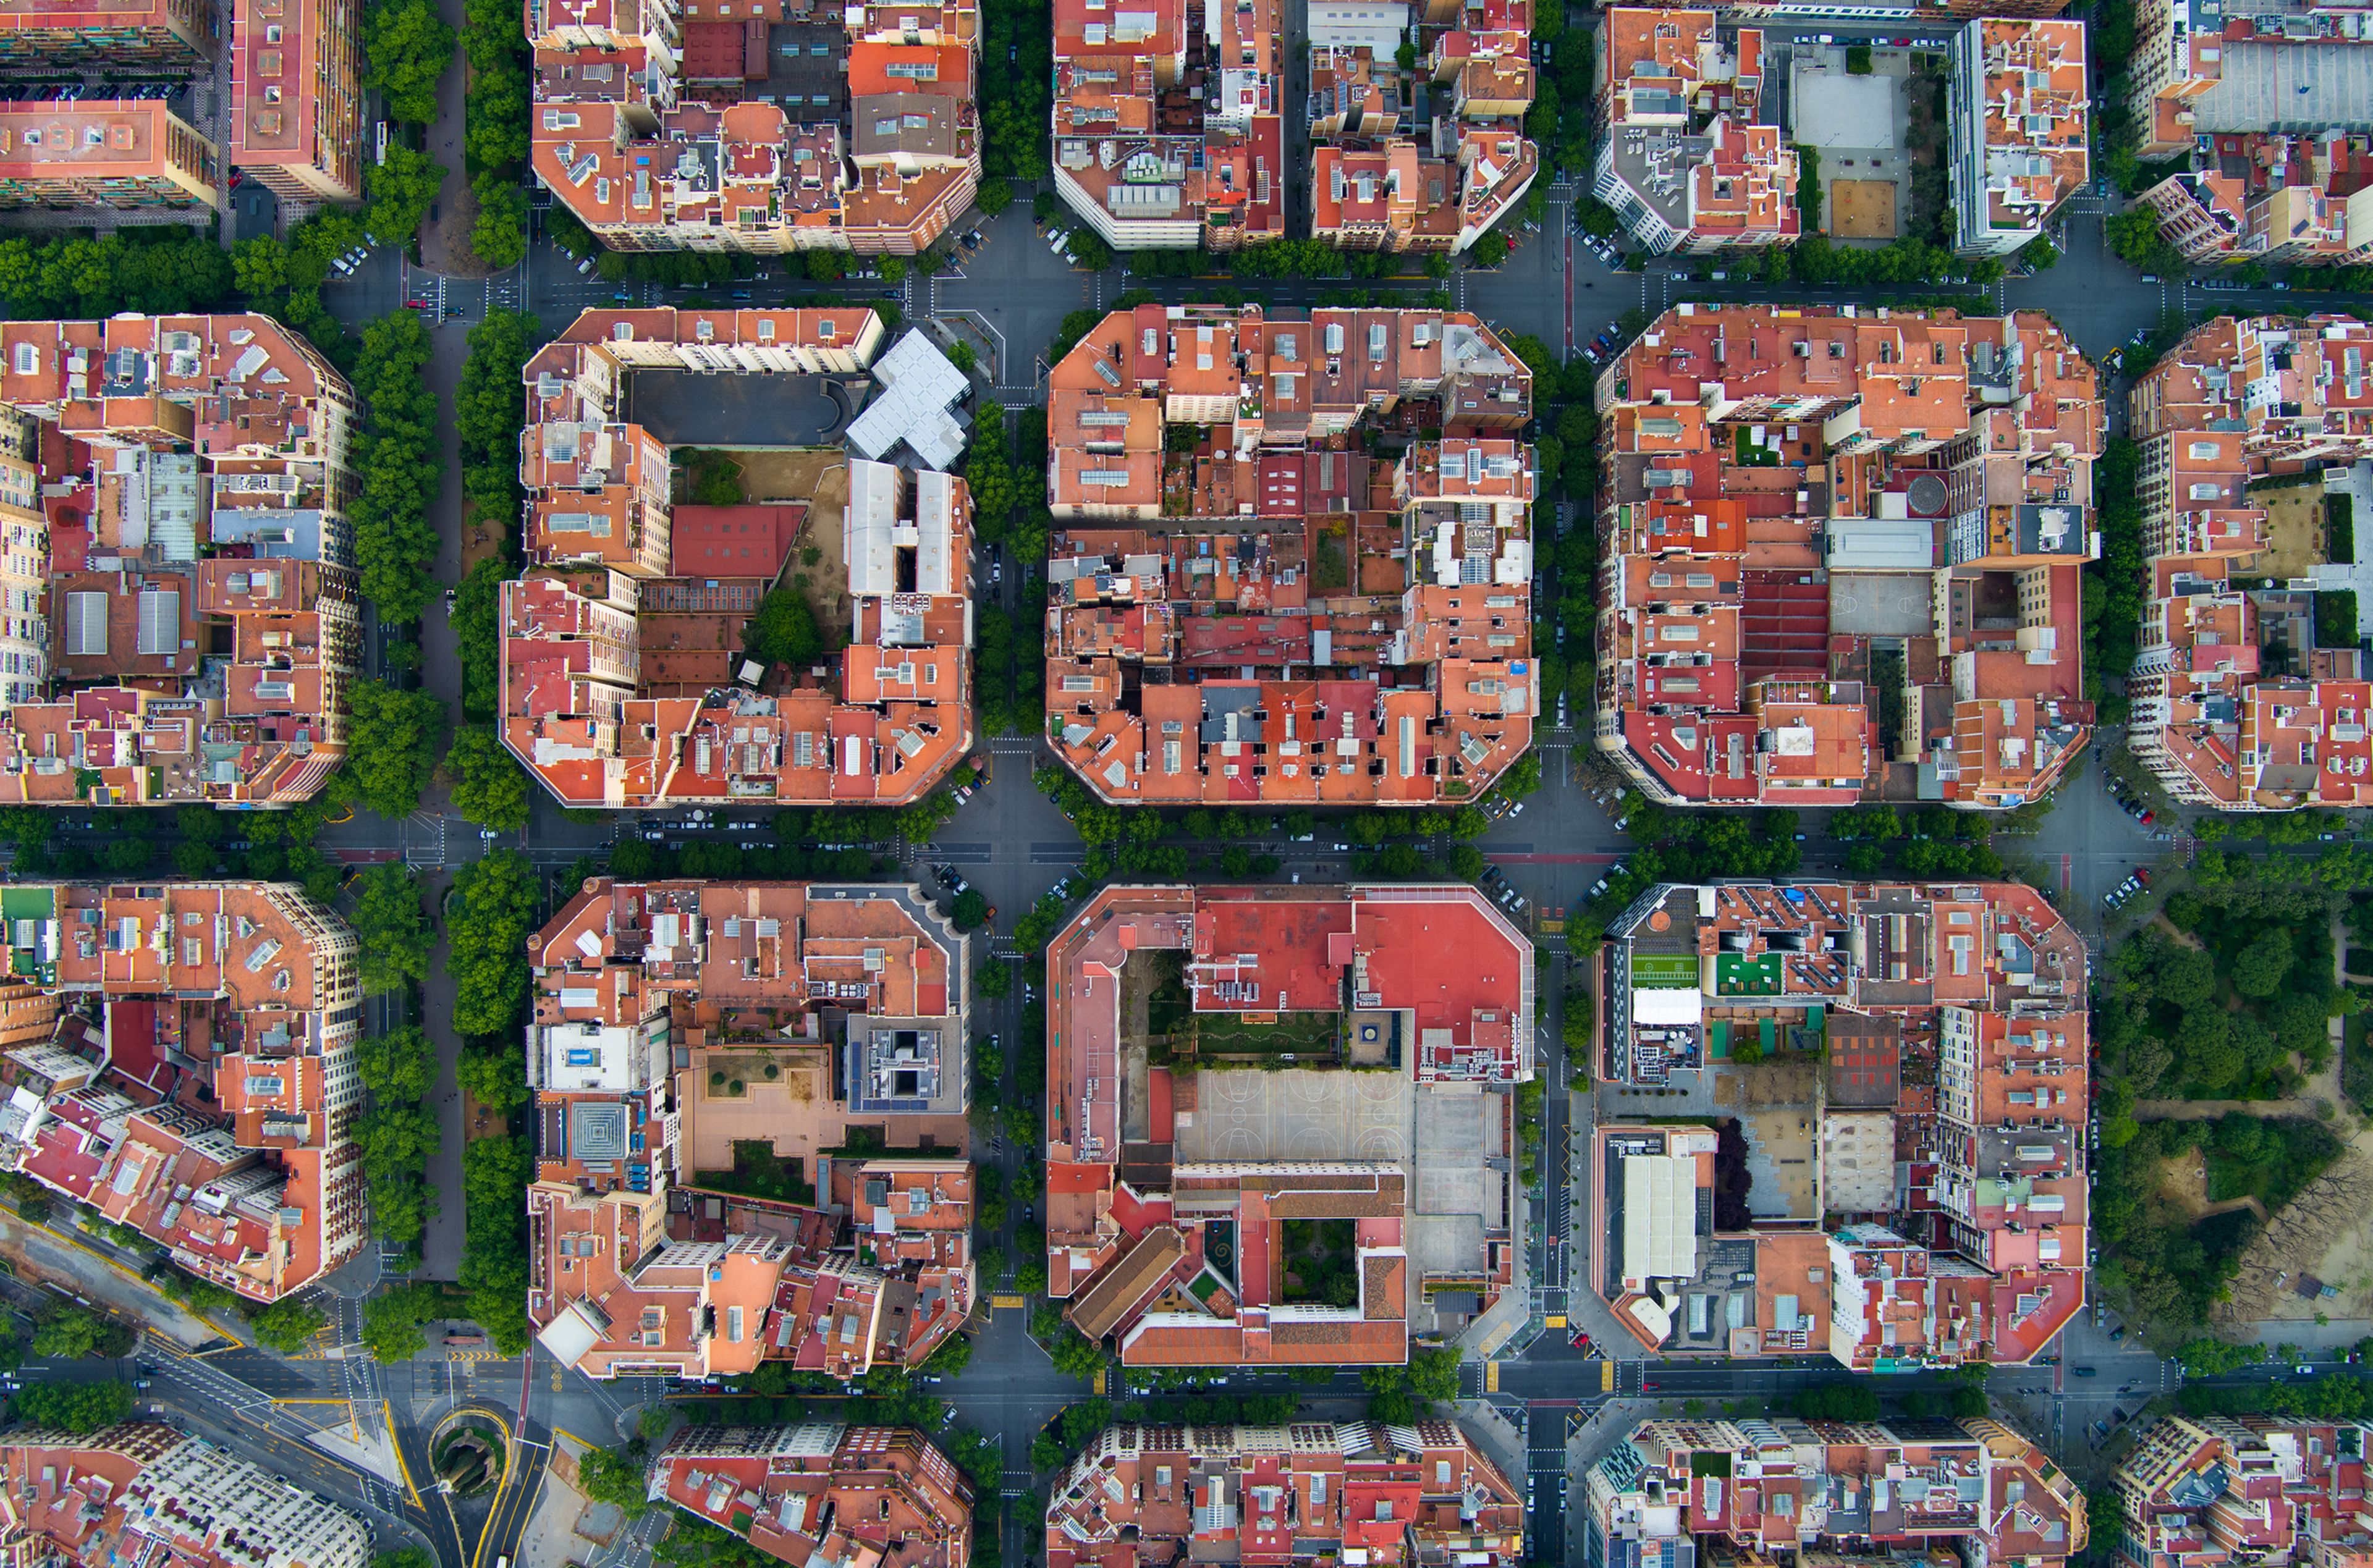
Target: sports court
1862,209
1664,972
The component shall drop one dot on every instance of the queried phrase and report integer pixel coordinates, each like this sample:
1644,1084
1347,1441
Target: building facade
688,125
182,1062
1245,603
1943,1221
2238,702
1918,491
197,621
676,1024
141,1491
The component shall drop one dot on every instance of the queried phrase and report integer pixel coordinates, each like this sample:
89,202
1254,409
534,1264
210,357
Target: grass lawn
1298,1034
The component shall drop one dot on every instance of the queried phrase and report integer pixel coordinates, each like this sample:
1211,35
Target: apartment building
2206,1491
1167,129
2291,66
823,1491
2273,199
776,128
192,625
1815,512
180,1059
2235,705
624,683
1259,609
1381,179
296,97
1170,1195
141,1491
1753,1489
161,36
1684,156
1417,1493
676,1022
2019,119
120,153
1939,1217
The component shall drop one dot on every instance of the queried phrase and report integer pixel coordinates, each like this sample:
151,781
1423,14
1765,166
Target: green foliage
407,46
496,1079
167,269
995,195
495,134
1838,1401
2039,255
70,1333
487,415
287,1325
391,1321
499,233
784,632
402,462
79,1407
477,633
392,737
1857,60
2336,618
399,1065
401,189
1490,251
495,1177
2339,1397
618,1476
392,925
490,913
490,788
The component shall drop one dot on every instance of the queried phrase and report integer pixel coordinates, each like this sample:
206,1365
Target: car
2085,1371
584,266
1902,44
1560,724
1580,1339
1825,37
964,794
2304,1370
432,218
489,834
1517,809
2150,277
1029,1213
2142,874
1598,887
949,1419
2117,1333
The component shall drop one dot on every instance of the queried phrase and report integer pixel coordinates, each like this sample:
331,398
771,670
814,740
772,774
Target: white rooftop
918,387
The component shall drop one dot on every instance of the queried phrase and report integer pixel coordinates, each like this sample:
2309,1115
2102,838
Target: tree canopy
406,47
392,737
490,788
492,910
391,927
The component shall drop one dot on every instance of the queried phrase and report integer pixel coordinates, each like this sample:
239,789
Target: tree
961,355
391,1321
474,620
619,1476
392,928
784,630
69,1334
406,47
971,911
402,462
993,980
2260,969
491,910
397,1066
995,194
490,788
1490,251
287,1325
500,235
496,1079
79,1407
402,189
393,738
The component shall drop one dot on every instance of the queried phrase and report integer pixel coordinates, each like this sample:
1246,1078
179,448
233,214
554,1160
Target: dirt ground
828,578
2294,531
2322,1233
1862,209
2183,1181
769,476
1785,1079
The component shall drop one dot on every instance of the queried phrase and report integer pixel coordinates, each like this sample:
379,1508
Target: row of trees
401,459
494,135
398,1135
2116,583
160,270
1559,123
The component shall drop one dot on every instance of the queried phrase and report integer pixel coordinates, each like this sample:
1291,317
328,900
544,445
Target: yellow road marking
1490,1376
